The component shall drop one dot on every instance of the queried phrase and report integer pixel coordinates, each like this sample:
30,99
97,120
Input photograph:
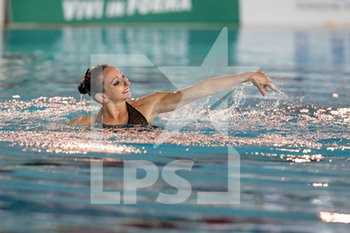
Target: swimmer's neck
114,110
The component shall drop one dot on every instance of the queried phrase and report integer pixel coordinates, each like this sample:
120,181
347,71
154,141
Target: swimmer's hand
261,81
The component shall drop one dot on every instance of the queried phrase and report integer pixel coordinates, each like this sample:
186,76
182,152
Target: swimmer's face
116,84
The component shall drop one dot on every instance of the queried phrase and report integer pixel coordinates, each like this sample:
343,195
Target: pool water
294,145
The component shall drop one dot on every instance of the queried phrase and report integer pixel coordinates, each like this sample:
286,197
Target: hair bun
81,88
92,77
84,84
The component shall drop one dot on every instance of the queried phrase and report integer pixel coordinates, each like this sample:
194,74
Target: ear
101,98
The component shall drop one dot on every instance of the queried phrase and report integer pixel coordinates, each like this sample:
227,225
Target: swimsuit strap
134,118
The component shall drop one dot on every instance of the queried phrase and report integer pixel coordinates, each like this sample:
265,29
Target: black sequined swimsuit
135,117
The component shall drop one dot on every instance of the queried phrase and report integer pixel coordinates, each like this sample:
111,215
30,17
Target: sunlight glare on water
293,144
41,124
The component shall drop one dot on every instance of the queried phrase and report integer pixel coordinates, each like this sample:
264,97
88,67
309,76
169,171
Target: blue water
293,146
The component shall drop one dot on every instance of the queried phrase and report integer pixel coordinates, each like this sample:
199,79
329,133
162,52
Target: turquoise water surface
294,145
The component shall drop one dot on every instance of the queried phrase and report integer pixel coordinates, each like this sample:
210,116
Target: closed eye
115,82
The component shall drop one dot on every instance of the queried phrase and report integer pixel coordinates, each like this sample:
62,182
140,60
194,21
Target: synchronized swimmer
108,86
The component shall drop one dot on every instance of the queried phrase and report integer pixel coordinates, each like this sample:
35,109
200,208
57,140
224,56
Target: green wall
139,11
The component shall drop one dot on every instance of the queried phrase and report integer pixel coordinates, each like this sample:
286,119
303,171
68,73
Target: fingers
262,82
272,87
262,90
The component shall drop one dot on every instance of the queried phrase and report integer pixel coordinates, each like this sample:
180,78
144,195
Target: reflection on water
294,148
274,137
291,132
335,217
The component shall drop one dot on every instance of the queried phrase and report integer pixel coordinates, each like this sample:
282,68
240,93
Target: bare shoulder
147,104
160,102
147,99
84,120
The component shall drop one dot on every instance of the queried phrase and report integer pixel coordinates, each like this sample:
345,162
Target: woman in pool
110,87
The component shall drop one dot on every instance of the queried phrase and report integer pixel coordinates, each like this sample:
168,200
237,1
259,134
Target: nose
126,82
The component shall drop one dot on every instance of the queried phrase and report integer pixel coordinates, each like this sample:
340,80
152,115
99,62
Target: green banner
138,11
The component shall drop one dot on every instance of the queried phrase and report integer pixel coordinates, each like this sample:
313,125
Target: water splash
282,130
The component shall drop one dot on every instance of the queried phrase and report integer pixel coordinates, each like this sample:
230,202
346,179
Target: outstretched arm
169,101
